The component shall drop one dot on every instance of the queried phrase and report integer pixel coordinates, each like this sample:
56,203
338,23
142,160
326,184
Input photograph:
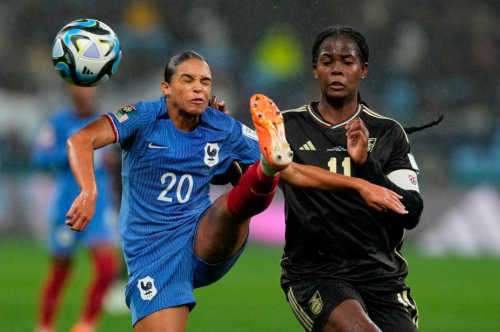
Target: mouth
196,101
336,85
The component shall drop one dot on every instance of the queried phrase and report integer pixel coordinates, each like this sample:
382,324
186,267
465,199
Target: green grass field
453,294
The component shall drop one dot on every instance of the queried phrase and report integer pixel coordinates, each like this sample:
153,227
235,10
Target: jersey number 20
171,180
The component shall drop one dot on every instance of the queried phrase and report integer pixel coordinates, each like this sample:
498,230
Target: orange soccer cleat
81,327
268,121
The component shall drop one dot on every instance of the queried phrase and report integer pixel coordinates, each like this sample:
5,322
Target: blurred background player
100,239
342,265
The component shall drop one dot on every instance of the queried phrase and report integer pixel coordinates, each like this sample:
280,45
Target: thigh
220,234
101,229
392,312
207,273
165,283
167,320
62,241
313,302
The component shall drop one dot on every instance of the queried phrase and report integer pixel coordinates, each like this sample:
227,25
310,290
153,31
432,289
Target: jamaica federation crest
315,303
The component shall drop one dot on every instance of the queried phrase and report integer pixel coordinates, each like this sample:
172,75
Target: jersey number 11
346,165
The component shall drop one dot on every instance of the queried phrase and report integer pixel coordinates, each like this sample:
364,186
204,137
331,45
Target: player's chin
336,95
193,111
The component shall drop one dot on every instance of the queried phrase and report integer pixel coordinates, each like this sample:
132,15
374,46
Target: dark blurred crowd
426,58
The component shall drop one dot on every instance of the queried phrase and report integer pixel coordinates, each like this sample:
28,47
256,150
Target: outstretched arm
81,148
315,178
369,169
372,172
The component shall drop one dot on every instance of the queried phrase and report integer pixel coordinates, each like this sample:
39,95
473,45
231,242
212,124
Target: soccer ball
86,52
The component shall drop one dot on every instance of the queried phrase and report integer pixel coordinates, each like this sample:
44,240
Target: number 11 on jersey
346,165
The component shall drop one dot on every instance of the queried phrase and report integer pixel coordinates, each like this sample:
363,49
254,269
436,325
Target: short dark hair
347,32
176,60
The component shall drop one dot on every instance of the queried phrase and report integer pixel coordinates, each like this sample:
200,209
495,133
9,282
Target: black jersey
338,234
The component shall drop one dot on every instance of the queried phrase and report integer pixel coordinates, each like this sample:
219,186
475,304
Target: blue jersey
49,153
166,174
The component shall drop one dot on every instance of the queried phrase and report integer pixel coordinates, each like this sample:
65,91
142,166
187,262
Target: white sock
266,167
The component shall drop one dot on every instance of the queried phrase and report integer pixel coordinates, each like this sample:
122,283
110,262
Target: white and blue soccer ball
86,52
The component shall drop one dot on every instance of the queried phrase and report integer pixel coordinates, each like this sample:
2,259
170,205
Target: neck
83,112
181,119
335,111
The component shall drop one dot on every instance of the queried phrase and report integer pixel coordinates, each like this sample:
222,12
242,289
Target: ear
165,88
315,71
364,70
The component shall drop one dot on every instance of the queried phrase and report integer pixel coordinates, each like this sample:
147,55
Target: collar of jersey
316,116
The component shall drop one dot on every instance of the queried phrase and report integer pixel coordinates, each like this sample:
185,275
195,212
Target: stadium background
427,58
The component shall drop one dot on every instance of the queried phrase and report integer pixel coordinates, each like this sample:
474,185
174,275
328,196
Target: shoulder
62,118
218,120
154,107
373,118
294,113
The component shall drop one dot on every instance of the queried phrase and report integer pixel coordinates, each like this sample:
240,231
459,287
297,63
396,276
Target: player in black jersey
342,265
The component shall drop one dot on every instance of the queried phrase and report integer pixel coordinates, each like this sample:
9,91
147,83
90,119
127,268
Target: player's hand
220,106
382,199
357,140
81,212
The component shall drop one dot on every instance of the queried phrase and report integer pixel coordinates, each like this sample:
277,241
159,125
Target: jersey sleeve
245,145
401,156
129,120
373,172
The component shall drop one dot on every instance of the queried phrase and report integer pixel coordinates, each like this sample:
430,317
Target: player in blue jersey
100,239
173,237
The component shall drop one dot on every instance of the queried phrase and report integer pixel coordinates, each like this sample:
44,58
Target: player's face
83,98
189,90
339,68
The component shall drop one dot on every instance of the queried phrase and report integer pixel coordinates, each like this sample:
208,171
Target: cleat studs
255,104
259,115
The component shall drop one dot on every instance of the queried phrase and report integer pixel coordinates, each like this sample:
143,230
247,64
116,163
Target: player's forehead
339,45
195,68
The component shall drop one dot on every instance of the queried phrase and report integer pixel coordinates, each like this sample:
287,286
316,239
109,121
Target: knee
106,266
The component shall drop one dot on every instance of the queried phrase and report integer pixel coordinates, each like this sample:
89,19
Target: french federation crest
315,303
147,288
211,154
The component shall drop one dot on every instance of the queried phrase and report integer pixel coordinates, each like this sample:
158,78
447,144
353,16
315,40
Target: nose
197,86
337,68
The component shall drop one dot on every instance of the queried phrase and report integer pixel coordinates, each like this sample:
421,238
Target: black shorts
312,301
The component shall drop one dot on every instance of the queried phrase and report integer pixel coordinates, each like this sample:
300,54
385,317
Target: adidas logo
86,71
308,146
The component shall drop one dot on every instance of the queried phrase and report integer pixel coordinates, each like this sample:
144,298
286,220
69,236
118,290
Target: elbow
70,142
415,212
412,223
